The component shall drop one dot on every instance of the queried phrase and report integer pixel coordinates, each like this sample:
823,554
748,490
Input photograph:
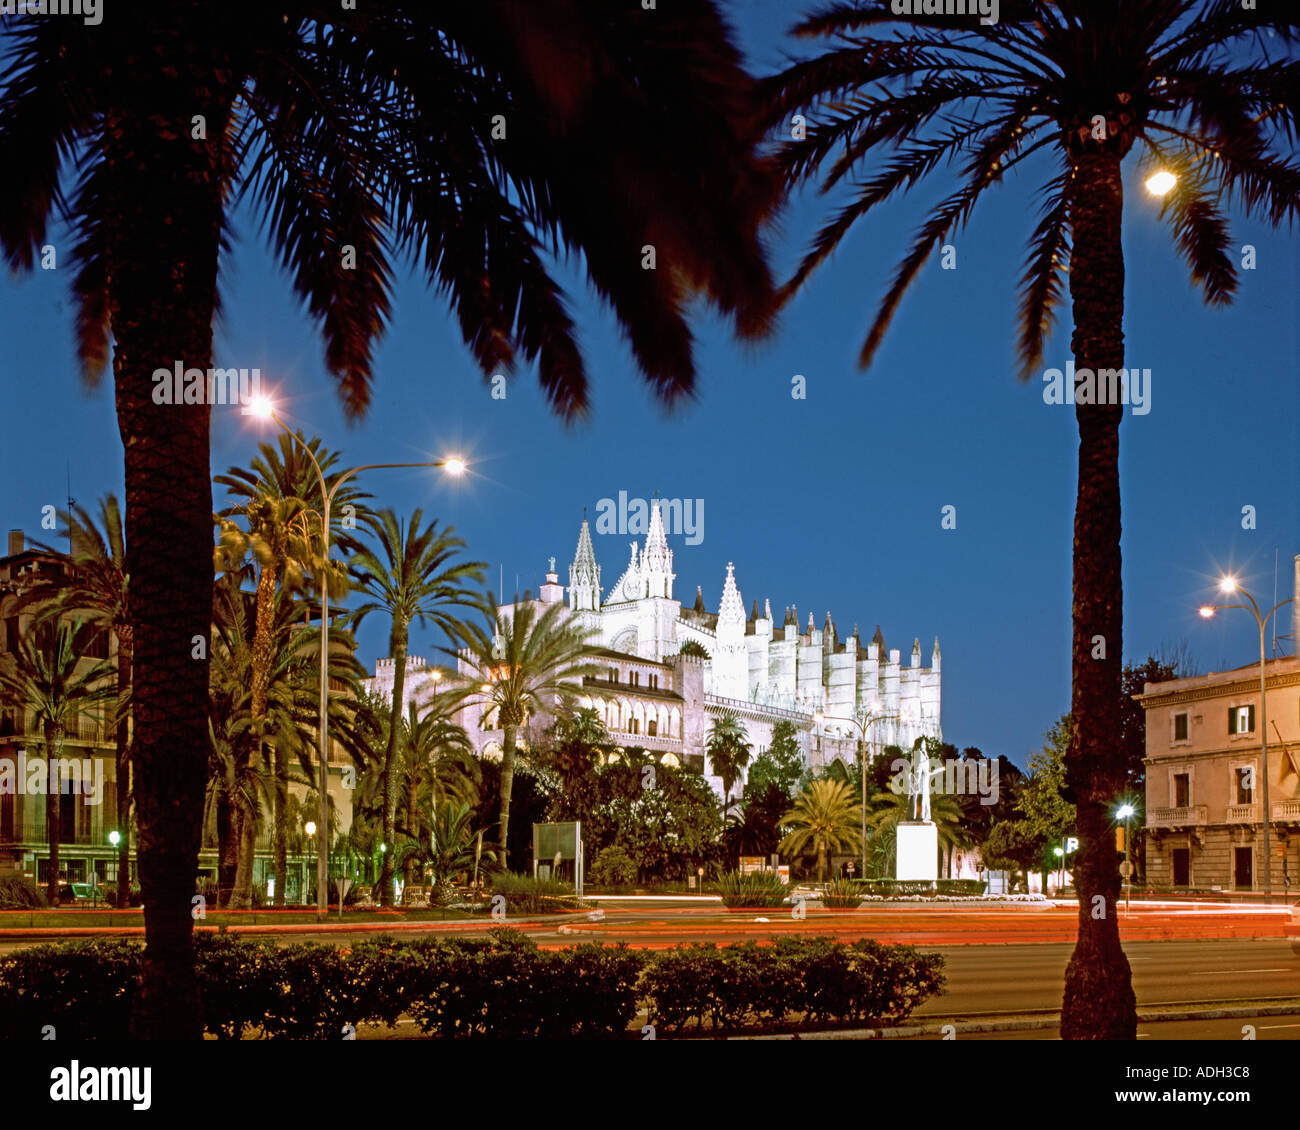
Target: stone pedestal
917,855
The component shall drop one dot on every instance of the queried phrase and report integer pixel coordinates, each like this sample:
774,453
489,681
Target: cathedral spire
767,609
731,609
699,599
879,640
584,575
753,612
657,558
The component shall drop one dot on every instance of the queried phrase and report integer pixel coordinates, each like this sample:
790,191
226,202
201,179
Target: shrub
825,980
902,888
757,889
840,894
83,990
613,867
526,895
238,981
21,894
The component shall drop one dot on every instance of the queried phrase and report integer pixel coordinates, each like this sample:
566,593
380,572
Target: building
1204,778
88,792
837,691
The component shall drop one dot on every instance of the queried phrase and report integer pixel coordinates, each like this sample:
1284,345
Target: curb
1026,1025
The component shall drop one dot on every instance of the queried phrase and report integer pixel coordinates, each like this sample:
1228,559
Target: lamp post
1125,813
264,409
1229,585
863,719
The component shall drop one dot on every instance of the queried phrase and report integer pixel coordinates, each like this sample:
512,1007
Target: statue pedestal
917,854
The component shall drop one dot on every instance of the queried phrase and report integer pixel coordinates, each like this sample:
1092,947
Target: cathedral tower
584,575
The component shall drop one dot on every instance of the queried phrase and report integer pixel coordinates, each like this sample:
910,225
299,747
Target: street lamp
863,719
1125,812
1161,183
264,409
1230,584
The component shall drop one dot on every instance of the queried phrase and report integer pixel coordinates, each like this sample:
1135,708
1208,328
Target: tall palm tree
472,140
416,576
728,751
523,663
51,676
97,588
284,542
824,817
1080,84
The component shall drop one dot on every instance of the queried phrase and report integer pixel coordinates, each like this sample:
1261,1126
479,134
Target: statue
918,784
552,561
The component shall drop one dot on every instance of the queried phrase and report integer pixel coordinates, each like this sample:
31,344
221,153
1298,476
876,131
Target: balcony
32,835
1287,812
1242,814
1190,816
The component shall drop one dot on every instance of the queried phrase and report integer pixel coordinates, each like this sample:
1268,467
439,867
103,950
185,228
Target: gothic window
652,727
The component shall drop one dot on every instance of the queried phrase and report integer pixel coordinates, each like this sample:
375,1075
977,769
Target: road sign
1071,844
1126,869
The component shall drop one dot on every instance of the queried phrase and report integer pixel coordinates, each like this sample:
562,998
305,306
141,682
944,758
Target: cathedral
839,694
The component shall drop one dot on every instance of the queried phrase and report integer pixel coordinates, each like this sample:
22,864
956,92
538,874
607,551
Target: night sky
833,502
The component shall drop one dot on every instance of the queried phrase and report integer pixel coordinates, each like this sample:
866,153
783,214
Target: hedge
501,987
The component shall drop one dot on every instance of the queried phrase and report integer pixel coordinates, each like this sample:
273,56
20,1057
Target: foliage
825,818
758,888
781,764
906,888
820,979
526,895
694,649
613,867
727,749
842,894
1012,845
21,894
1047,813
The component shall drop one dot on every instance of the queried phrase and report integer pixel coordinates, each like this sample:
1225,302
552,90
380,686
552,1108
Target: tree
771,781
324,123
727,750
455,847
781,763
98,588
825,817
524,663
51,676
416,577
1191,83
1042,802
1012,845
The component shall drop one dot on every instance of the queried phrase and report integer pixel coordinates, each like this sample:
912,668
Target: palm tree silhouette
472,141
1192,85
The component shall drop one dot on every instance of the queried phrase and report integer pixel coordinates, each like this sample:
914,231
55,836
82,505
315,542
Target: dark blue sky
833,502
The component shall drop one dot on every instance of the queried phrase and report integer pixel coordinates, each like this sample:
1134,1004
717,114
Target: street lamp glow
115,837
1125,811
454,465
261,407
1159,184
1228,584
1058,851
310,827
1207,611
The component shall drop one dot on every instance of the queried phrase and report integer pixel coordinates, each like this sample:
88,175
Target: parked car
81,892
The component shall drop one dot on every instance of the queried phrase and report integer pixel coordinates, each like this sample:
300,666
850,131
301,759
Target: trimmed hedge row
501,987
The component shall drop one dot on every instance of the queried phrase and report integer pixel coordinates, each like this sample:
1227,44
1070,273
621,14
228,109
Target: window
635,676
1241,720
652,727
613,674
654,681
1182,790
1180,727
634,726
1244,778
11,634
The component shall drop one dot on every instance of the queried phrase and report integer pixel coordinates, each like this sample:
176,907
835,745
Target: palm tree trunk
53,744
392,762
412,819
246,820
263,652
509,734
227,849
122,743
161,244
1099,1002
280,822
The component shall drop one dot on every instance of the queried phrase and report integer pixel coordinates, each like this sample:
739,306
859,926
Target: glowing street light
264,409
1229,584
1161,183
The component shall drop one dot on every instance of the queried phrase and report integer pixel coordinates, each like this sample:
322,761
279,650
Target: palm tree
728,751
455,846
98,588
284,543
522,663
439,763
889,808
418,579
824,817
365,140
51,676
1190,84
